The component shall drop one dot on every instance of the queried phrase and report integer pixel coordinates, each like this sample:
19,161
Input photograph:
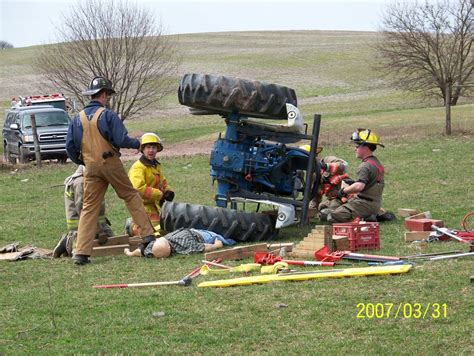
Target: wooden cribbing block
416,235
287,245
303,254
236,253
340,243
424,215
422,224
114,240
134,242
320,236
405,213
109,250
310,245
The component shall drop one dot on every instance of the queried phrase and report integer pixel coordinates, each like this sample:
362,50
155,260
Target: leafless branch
117,40
427,47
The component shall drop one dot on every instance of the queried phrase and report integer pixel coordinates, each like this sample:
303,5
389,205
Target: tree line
425,47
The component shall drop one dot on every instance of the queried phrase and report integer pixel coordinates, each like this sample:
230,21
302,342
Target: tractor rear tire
224,95
238,225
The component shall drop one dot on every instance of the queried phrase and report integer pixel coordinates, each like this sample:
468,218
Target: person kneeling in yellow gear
147,178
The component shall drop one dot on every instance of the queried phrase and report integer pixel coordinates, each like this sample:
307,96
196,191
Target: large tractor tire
223,95
237,225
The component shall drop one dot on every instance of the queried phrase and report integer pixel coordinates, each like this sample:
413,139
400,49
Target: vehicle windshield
43,119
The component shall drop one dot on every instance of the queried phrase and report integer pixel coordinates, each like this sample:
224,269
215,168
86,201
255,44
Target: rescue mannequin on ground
73,200
364,196
182,241
148,179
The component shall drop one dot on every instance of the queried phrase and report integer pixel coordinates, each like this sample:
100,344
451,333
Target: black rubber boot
60,248
81,259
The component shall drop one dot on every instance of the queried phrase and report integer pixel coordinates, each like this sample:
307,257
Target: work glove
324,166
341,194
168,196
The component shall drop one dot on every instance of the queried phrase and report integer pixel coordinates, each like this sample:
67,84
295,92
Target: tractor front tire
224,95
238,225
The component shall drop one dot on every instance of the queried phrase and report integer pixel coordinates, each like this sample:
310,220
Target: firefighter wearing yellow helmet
365,194
147,178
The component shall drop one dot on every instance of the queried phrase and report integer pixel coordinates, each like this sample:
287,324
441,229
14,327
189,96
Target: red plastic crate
362,236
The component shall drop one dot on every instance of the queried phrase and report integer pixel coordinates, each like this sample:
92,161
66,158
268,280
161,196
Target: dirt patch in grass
186,148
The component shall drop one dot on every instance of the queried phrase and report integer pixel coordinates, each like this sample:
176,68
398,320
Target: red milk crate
362,236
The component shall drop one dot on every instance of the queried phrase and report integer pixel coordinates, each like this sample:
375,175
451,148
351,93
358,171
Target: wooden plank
416,235
310,245
424,215
341,243
114,240
134,242
314,237
405,213
109,250
324,229
308,255
236,253
422,224
287,245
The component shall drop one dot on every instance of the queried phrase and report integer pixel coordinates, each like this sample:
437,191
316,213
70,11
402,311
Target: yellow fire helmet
362,136
307,148
151,138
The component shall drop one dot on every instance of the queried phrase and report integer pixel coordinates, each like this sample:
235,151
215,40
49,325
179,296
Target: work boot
128,227
71,242
102,238
81,259
323,214
60,248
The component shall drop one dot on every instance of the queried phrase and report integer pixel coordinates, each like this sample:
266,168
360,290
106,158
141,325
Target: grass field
49,307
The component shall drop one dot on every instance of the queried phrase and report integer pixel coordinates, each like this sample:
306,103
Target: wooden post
35,140
447,104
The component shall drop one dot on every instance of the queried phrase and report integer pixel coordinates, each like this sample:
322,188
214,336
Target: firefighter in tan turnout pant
364,196
73,198
94,138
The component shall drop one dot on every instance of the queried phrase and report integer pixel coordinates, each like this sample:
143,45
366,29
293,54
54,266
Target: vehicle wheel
22,157
237,225
7,156
223,95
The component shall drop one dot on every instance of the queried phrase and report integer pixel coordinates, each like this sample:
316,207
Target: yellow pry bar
304,276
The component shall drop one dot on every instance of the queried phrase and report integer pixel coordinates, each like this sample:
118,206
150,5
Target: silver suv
52,125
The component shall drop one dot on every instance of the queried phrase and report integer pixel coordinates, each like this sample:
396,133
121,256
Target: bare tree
117,40
5,45
428,47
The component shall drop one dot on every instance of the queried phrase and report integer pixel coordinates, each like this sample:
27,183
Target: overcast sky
32,22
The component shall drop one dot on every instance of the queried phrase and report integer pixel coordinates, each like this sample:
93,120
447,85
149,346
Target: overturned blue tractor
253,162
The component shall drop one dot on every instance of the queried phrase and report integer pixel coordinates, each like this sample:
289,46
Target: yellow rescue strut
304,276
